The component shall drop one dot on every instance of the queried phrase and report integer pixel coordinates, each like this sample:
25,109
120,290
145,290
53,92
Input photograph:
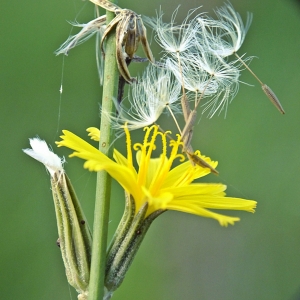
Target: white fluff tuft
41,152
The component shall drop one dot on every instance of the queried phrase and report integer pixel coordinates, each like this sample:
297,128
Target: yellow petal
197,189
192,209
123,175
94,133
185,173
74,142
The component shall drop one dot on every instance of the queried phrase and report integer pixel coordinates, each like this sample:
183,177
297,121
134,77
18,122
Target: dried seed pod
273,98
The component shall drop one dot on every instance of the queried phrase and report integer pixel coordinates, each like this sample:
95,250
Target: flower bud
74,237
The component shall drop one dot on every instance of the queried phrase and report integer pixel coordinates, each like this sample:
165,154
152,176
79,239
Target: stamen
128,146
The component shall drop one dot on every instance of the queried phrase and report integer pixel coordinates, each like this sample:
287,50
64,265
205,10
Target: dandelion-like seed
171,37
193,76
226,35
148,98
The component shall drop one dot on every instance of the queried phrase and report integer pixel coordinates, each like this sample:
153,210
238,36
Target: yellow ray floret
156,180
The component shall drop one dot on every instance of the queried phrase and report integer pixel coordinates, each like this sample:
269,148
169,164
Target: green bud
75,239
121,231
129,241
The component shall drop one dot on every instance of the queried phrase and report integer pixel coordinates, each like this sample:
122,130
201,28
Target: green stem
101,213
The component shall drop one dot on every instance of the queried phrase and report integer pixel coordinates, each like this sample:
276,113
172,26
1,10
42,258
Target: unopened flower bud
75,239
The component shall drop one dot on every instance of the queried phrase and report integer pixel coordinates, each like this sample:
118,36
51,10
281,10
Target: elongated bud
74,235
119,261
121,231
273,98
74,240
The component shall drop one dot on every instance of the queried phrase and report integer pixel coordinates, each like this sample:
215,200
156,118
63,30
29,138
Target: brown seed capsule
273,98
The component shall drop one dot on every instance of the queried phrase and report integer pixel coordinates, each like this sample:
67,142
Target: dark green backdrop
183,256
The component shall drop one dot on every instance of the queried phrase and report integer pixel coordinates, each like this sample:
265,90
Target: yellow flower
156,180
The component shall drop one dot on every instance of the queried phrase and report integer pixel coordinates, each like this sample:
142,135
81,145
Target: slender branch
101,213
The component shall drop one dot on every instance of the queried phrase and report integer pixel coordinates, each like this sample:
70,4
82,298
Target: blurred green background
183,256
